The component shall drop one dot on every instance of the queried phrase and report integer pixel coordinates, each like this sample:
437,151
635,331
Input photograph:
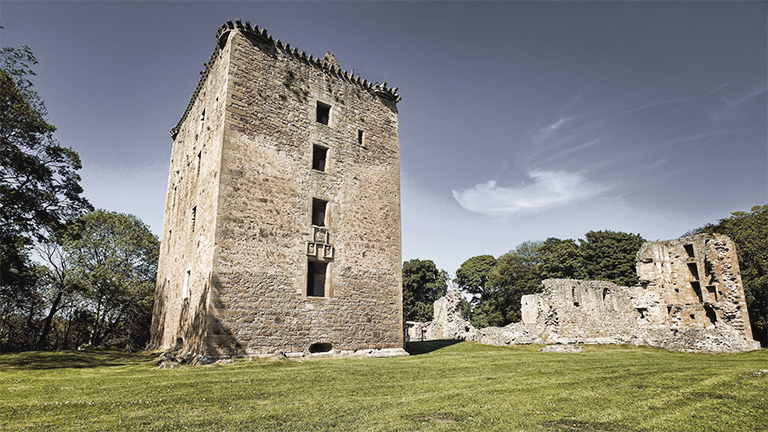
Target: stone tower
282,217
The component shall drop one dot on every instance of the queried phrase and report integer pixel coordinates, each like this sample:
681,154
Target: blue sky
519,120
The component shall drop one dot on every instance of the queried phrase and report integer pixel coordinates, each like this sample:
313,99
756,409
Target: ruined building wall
261,242
690,298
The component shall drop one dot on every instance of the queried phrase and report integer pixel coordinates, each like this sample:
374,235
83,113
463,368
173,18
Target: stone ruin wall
690,298
237,283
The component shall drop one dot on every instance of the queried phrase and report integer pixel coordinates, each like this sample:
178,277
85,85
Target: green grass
464,386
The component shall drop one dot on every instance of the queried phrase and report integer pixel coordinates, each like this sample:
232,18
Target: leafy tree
423,283
517,273
610,256
114,257
749,230
472,276
61,289
39,186
560,259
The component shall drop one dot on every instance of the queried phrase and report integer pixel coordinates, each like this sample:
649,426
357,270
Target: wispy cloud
730,105
549,189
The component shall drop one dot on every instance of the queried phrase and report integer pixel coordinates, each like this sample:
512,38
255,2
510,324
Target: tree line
495,286
69,275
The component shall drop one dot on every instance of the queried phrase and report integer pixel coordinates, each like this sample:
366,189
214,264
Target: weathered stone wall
690,298
254,297
191,208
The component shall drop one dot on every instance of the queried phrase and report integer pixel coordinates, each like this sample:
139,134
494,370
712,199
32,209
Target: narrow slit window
697,289
323,113
202,121
319,156
194,217
199,160
360,135
318,211
316,278
694,270
689,250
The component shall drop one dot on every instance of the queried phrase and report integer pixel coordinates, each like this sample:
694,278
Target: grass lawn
446,386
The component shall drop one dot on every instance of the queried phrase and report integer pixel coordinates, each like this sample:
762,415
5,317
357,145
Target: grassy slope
462,386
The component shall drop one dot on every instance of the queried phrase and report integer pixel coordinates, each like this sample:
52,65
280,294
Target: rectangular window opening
697,289
694,270
319,155
689,250
316,278
318,211
323,113
360,136
185,289
712,292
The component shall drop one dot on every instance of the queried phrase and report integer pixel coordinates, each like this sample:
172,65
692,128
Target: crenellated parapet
327,64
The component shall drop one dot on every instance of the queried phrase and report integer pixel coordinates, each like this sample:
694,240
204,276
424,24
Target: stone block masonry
690,298
282,219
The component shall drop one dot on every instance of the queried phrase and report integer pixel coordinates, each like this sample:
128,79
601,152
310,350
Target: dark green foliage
472,276
516,274
423,283
749,230
39,193
561,259
114,258
610,256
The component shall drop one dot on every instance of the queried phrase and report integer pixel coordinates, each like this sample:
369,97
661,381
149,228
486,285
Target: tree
39,184
610,256
517,273
472,276
560,259
423,283
114,257
749,230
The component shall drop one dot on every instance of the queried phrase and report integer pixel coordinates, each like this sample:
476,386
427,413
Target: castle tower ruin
282,218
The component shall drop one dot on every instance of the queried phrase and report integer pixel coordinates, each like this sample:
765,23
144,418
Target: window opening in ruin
199,159
323,113
320,347
711,315
697,289
694,270
693,316
318,211
319,154
689,250
605,293
712,291
316,278
643,313
194,217
573,295
179,343
669,310
185,289
360,136
202,121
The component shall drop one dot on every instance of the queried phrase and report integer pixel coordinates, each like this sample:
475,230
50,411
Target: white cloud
549,189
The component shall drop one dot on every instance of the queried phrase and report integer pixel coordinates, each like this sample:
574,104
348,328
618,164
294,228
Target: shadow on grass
71,359
424,347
